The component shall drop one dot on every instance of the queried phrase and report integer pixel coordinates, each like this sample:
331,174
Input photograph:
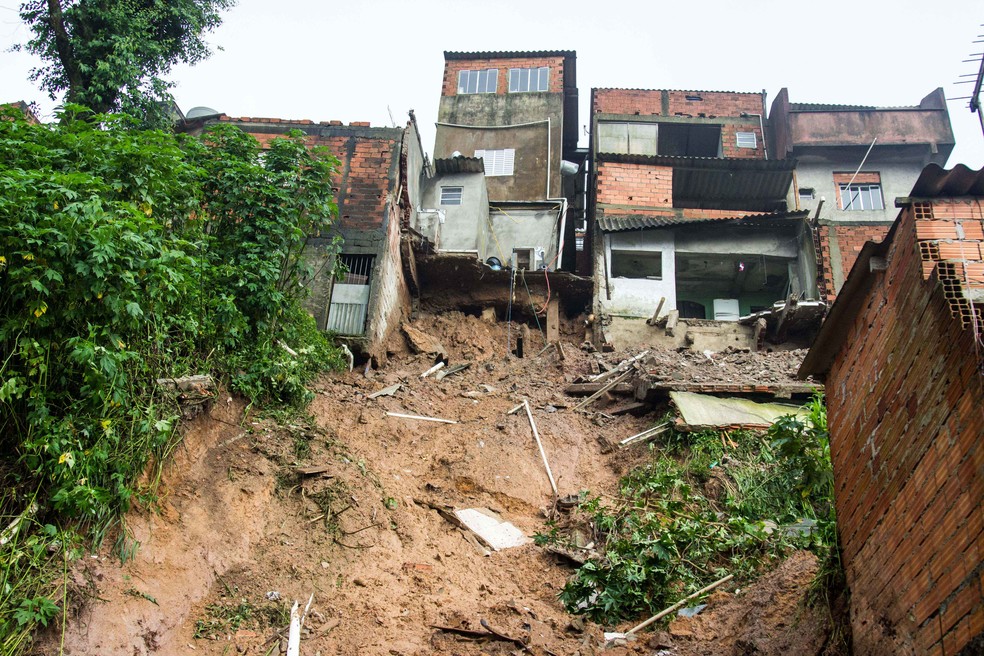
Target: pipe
860,166
765,147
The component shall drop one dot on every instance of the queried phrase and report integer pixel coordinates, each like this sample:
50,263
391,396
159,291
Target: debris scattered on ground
491,529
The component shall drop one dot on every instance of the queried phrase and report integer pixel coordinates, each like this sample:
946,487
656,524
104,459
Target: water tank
726,309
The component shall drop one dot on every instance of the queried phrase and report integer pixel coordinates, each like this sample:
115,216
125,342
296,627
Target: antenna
390,112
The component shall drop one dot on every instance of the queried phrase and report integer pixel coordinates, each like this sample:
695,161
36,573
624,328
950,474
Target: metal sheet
701,410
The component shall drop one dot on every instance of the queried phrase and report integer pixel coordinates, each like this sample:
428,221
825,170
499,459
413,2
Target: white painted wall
638,296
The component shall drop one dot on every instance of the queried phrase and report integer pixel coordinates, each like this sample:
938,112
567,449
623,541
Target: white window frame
746,140
635,133
451,195
498,161
853,196
485,80
526,80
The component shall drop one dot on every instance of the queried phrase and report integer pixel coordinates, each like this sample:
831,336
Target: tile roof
619,222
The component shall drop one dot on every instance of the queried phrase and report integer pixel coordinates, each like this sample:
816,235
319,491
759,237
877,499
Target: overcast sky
358,61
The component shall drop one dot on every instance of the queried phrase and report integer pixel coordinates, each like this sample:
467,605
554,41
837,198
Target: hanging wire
533,307
512,287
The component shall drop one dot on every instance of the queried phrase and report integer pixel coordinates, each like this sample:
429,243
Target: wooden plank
659,308
586,389
553,320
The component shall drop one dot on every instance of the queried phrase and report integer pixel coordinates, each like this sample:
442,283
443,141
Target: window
673,139
861,197
498,161
686,140
807,193
637,264
746,140
451,195
627,138
478,81
528,79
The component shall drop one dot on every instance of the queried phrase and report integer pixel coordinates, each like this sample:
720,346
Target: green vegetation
112,56
703,506
127,256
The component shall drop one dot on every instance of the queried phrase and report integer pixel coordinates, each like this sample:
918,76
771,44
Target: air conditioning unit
530,259
726,309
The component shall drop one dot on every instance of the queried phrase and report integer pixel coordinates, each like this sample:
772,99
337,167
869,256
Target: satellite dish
199,112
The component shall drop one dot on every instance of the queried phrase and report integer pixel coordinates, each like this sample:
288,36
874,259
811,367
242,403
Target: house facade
377,188
690,214
852,162
901,356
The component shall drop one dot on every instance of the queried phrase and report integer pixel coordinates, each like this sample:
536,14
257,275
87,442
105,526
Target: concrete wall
904,394
637,296
537,144
516,227
389,299
465,226
897,179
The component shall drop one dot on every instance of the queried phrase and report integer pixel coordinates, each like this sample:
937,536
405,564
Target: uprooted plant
700,508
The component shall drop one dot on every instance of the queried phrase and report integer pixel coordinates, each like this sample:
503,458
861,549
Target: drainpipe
765,146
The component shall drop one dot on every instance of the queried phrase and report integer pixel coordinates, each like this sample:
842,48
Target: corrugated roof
719,183
828,107
721,163
935,182
508,54
459,165
620,222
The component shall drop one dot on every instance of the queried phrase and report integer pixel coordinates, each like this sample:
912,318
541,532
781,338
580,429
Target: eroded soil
239,534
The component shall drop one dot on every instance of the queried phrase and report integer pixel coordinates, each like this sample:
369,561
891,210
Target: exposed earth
239,533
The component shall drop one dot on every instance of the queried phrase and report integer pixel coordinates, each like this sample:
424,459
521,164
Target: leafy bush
127,256
665,536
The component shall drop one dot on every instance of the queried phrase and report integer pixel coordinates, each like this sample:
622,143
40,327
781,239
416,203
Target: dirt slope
239,534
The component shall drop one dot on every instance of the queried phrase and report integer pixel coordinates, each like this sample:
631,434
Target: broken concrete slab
421,342
700,411
495,532
386,391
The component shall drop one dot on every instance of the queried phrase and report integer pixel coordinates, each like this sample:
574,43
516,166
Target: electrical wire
533,307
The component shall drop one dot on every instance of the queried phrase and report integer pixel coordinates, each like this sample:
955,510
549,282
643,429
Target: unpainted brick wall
366,172
850,240
650,102
635,184
906,416
453,66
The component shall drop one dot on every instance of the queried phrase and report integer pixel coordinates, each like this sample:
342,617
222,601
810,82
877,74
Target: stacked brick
850,240
453,66
906,401
635,184
693,103
367,163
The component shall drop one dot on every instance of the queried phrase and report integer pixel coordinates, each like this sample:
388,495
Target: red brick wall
650,101
366,164
906,415
453,66
850,240
729,142
635,184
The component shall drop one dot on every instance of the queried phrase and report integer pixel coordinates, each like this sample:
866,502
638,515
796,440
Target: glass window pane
462,81
544,79
493,79
513,80
877,202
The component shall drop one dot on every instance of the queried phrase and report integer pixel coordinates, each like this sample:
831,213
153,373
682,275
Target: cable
533,307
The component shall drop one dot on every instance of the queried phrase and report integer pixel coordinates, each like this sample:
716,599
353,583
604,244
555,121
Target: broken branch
680,603
539,444
419,418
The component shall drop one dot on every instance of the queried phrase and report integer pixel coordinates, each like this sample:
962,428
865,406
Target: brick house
891,145
377,189
902,355
688,207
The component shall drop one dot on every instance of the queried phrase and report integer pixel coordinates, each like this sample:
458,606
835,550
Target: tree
110,55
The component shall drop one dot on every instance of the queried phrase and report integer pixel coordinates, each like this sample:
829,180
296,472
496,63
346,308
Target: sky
372,59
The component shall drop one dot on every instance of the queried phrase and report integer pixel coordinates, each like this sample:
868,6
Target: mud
237,527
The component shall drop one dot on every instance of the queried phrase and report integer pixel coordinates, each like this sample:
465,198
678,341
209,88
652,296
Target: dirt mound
347,506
